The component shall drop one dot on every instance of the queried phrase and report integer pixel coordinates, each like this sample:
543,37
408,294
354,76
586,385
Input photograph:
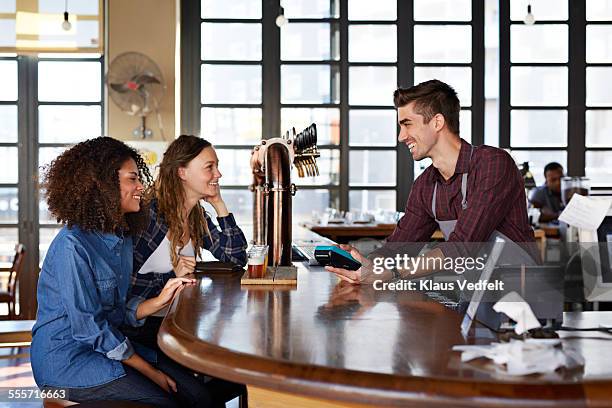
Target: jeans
134,386
221,391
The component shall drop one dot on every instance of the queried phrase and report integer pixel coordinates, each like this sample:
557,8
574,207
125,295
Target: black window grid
576,107
27,144
271,66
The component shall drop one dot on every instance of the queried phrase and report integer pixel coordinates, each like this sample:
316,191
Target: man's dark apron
512,254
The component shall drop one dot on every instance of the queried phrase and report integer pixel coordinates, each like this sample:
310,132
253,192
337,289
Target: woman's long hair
171,195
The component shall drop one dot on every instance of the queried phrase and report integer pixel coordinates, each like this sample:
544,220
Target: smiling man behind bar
473,194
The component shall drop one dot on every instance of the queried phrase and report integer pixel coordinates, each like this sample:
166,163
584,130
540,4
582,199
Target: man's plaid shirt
227,245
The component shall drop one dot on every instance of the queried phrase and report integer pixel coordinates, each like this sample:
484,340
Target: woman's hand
214,198
185,266
164,381
217,202
154,305
152,373
173,286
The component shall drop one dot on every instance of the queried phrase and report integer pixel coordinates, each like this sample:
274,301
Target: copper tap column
278,190
259,202
272,189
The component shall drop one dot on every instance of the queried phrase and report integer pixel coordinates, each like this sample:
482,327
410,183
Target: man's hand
186,265
355,277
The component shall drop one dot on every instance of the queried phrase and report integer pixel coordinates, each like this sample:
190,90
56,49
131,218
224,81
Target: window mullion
478,72
576,89
28,175
344,108
504,72
270,80
405,78
190,67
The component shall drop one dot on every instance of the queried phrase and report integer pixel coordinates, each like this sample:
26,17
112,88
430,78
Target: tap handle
306,139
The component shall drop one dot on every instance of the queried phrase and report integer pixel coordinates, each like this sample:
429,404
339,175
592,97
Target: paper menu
585,212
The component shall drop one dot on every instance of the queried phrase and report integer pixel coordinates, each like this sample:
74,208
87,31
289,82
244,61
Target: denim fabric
131,387
192,391
82,291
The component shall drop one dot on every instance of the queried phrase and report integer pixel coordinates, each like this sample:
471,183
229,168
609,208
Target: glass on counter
257,261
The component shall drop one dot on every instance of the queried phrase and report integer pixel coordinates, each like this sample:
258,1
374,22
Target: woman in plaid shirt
179,229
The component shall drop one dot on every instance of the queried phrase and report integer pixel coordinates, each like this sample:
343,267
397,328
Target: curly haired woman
95,190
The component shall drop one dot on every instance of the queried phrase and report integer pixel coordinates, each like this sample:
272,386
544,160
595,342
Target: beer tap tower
273,190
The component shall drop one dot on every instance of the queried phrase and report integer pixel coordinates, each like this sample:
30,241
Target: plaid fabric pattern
495,196
228,244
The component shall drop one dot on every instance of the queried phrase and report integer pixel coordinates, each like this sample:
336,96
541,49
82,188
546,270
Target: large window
372,78
598,115
336,63
309,92
554,102
449,46
47,103
231,93
538,78
9,177
69,110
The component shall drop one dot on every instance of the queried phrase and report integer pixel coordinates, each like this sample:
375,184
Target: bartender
473,194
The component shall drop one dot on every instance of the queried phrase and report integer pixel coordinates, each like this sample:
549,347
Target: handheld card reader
336,257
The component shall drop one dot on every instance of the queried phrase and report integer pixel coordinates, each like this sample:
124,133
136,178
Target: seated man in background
548,197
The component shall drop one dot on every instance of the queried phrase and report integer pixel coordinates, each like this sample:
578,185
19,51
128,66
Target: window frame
576,108
28,145
271,92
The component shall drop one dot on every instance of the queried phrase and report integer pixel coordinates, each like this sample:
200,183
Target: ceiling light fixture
529,18
281,20
66,24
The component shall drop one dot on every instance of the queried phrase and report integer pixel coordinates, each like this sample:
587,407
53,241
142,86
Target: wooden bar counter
324,344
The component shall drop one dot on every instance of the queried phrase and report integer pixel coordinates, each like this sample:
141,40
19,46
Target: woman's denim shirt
82,291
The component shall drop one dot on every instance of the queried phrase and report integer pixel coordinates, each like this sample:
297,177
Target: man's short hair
431,97
552,166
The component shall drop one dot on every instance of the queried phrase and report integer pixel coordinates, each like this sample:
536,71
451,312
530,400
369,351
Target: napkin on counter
516,308
524,357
